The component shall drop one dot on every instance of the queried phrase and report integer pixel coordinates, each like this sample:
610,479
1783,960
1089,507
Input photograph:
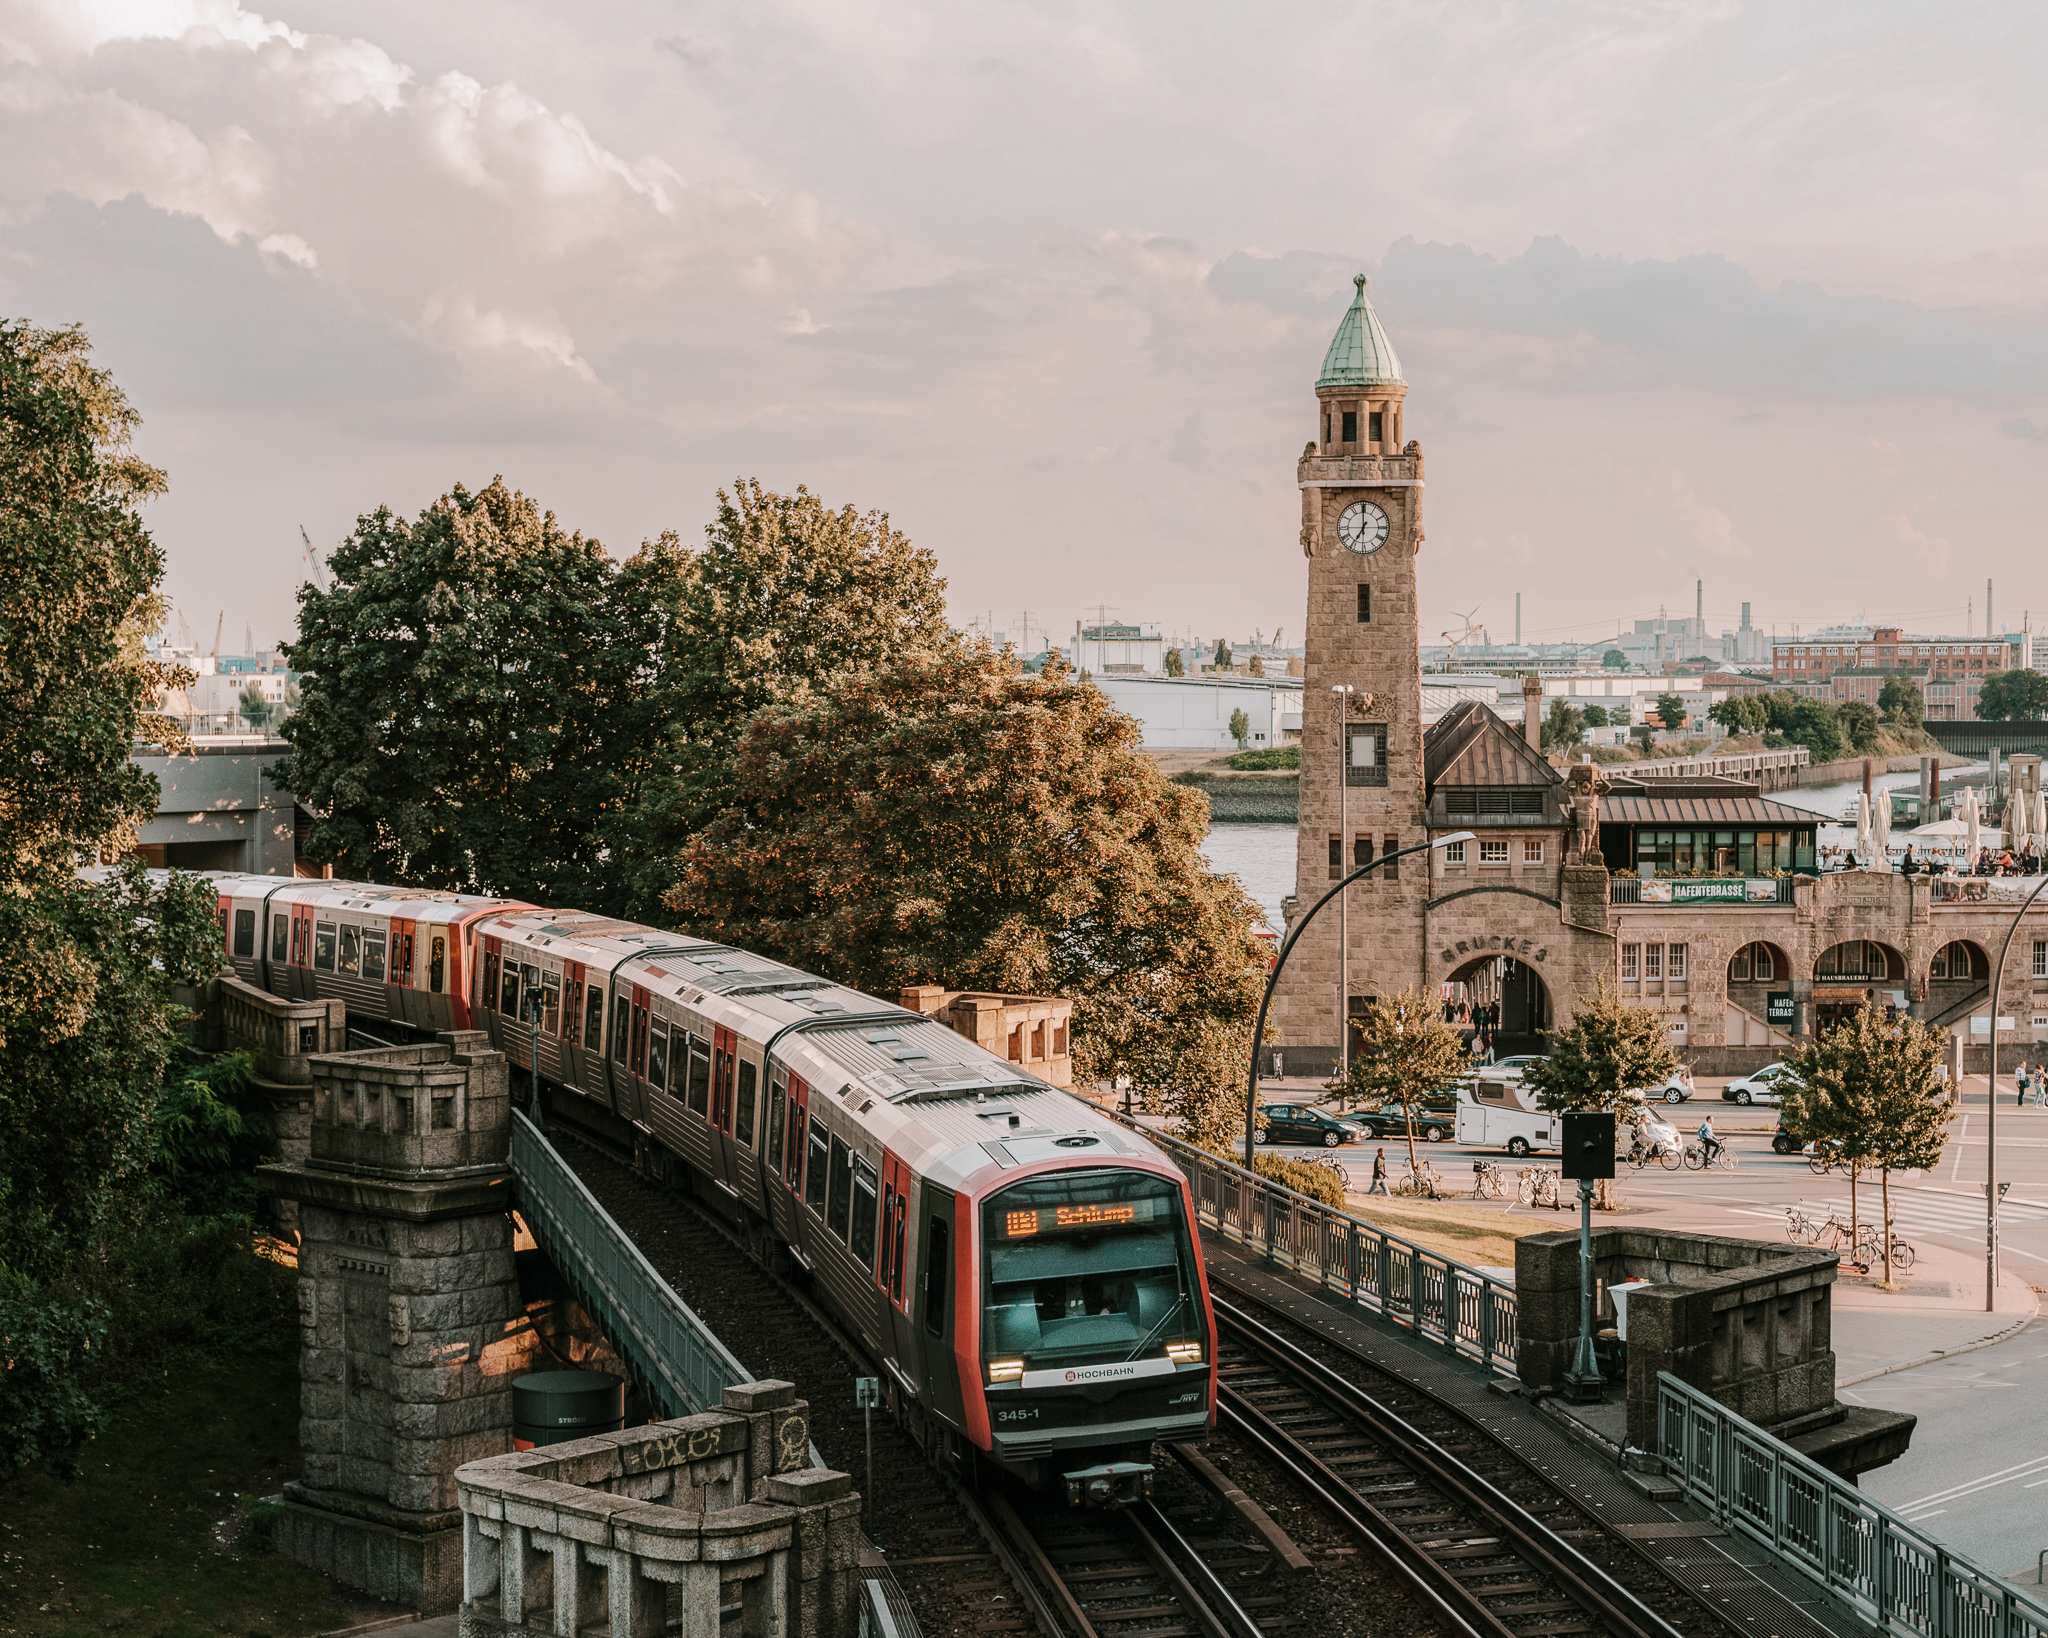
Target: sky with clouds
1751,293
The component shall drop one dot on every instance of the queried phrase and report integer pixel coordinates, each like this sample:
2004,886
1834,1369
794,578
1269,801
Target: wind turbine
1466,621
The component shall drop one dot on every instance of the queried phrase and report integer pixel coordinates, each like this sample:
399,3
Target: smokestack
1532,712
1990,626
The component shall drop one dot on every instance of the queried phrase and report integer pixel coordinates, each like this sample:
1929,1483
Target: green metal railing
1868,1560
1464,1308
674,1355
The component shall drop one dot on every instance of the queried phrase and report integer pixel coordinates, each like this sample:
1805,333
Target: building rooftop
1617,809
1360,353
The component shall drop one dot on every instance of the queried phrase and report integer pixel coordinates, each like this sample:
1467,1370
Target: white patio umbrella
1972,818
1881,834
1863,825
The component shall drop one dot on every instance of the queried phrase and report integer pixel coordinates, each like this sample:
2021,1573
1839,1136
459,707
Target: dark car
1435,1120
1295,1123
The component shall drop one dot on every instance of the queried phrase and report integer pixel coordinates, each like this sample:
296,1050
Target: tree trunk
1884,1189
1852,1212
1409,1111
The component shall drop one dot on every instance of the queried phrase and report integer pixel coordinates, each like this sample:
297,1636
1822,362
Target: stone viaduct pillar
411,1322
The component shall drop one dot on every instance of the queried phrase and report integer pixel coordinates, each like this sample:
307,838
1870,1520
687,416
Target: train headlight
1005,1370
1184,1353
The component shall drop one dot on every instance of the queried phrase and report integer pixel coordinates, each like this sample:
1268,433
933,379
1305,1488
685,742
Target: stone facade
1528,890
1030,1030
412,1324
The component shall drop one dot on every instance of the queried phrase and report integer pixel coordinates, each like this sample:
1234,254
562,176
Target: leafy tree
256,710
2013,696
1858,723
1258,666
1240,727
1603,1060
1869,1090
1222,655
1596,716
459,680
1614,660
1741,714
946,818
1813,725
1671,711
1405,1053
1175,665
1901,702
1565,724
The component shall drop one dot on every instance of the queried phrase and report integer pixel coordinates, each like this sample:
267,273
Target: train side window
323,946
864,1214
551,1003
593,1021
836,1208
896,1266
814,1169
639,1059
437,963
490,980
373,954
700,1076
351,949
793,1166
572,1010
280,932
657,1054
938,1265
401,961
743,1112
245,932
298,942
508,997
888,1228
774,1146
621,1022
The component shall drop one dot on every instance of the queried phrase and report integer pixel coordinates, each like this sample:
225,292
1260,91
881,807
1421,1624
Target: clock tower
1362,789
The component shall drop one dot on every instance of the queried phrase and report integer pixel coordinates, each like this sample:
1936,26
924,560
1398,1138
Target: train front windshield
1089,1269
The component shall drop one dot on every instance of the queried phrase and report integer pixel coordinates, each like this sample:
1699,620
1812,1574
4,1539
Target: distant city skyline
1050,286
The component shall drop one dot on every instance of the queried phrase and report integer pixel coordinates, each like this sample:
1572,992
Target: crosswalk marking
1910,1209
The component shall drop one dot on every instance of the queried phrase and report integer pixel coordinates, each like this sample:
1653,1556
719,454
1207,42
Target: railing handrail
1866,1557
1382,1272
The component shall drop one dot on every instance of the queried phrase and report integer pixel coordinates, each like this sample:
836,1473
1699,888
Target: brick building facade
1696,897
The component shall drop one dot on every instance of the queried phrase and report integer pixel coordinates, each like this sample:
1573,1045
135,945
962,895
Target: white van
1499,1112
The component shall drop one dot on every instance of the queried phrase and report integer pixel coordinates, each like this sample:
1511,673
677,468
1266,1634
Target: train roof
317,892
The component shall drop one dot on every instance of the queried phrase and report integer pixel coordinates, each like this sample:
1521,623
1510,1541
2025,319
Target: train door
788,1220
242,949
220,915
491,1012
724,1056
301,986
749,1128
399,978
636,1053
782,1112
938,1303
572,1025
895,1273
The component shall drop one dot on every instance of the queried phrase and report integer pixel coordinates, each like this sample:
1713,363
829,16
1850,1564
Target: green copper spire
1360,353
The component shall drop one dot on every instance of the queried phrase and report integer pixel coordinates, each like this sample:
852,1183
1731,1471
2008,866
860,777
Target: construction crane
217,625
1467,622
316,571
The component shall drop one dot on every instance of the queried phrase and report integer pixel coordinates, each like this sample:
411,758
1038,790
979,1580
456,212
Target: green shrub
1317,1182
1266,757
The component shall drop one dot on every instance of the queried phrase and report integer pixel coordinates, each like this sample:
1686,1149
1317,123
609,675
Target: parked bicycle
1800,1229
1866,1249
1697,1158
1489,1182
1422,1180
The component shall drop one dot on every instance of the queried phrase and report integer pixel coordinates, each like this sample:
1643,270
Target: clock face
1362,527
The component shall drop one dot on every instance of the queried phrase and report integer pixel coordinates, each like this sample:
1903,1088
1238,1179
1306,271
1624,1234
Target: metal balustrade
674,1354
1464,1308
1868,1559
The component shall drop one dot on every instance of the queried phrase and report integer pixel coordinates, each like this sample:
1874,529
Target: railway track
1487,1544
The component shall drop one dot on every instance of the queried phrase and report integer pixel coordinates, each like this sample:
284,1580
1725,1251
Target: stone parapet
282,1036
680,1526
410,1111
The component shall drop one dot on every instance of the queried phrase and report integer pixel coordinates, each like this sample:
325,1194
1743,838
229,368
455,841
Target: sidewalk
1937,1312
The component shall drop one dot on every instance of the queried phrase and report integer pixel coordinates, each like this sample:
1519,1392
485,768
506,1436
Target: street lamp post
1345,861
1251,1091
1991,1088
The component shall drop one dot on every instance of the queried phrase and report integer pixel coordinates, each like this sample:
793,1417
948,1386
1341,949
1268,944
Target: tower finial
1359,280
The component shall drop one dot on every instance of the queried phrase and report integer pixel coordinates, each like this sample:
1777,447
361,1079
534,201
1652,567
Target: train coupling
1113,1484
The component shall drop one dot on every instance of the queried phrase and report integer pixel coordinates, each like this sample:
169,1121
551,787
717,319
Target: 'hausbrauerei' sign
1714,890
1779,1010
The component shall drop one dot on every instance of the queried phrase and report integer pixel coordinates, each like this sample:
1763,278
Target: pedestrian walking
1379,1172
2019,1084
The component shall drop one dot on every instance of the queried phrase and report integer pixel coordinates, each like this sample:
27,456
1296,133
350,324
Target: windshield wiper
1179,1303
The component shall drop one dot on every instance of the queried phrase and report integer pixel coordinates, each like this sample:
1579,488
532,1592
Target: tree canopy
1671,711
1858,723
2013,696
1902,702
1565,723
946,818
1406,1053
1614,660
1609,1051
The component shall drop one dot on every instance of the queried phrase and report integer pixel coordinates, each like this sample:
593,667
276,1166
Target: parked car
1677,1088
1783,1142
1297,1123
1435,1120
1758,1088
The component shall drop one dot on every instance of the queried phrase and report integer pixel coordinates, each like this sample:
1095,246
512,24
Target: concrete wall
218,810
1193,713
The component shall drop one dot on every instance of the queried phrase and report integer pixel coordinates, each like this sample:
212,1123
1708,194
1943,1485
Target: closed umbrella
1862,825
1971,820
1881,834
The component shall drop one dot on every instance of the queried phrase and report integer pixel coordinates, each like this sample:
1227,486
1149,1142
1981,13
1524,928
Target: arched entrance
1959,973
1512,1000
1847,975
1759,995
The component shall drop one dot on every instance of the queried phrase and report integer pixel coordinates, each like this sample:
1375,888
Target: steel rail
1596,1592
1198,1587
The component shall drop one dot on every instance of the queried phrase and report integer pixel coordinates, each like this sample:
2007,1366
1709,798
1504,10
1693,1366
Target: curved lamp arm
1991,1087
1251,1091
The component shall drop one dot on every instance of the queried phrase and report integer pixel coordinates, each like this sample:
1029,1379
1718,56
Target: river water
1262,856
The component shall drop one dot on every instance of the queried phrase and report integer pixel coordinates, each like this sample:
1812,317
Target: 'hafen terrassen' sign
1735,890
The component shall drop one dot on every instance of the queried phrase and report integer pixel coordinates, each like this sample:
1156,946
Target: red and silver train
1024,1267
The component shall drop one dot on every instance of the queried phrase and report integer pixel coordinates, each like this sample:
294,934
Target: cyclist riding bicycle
1709,1144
